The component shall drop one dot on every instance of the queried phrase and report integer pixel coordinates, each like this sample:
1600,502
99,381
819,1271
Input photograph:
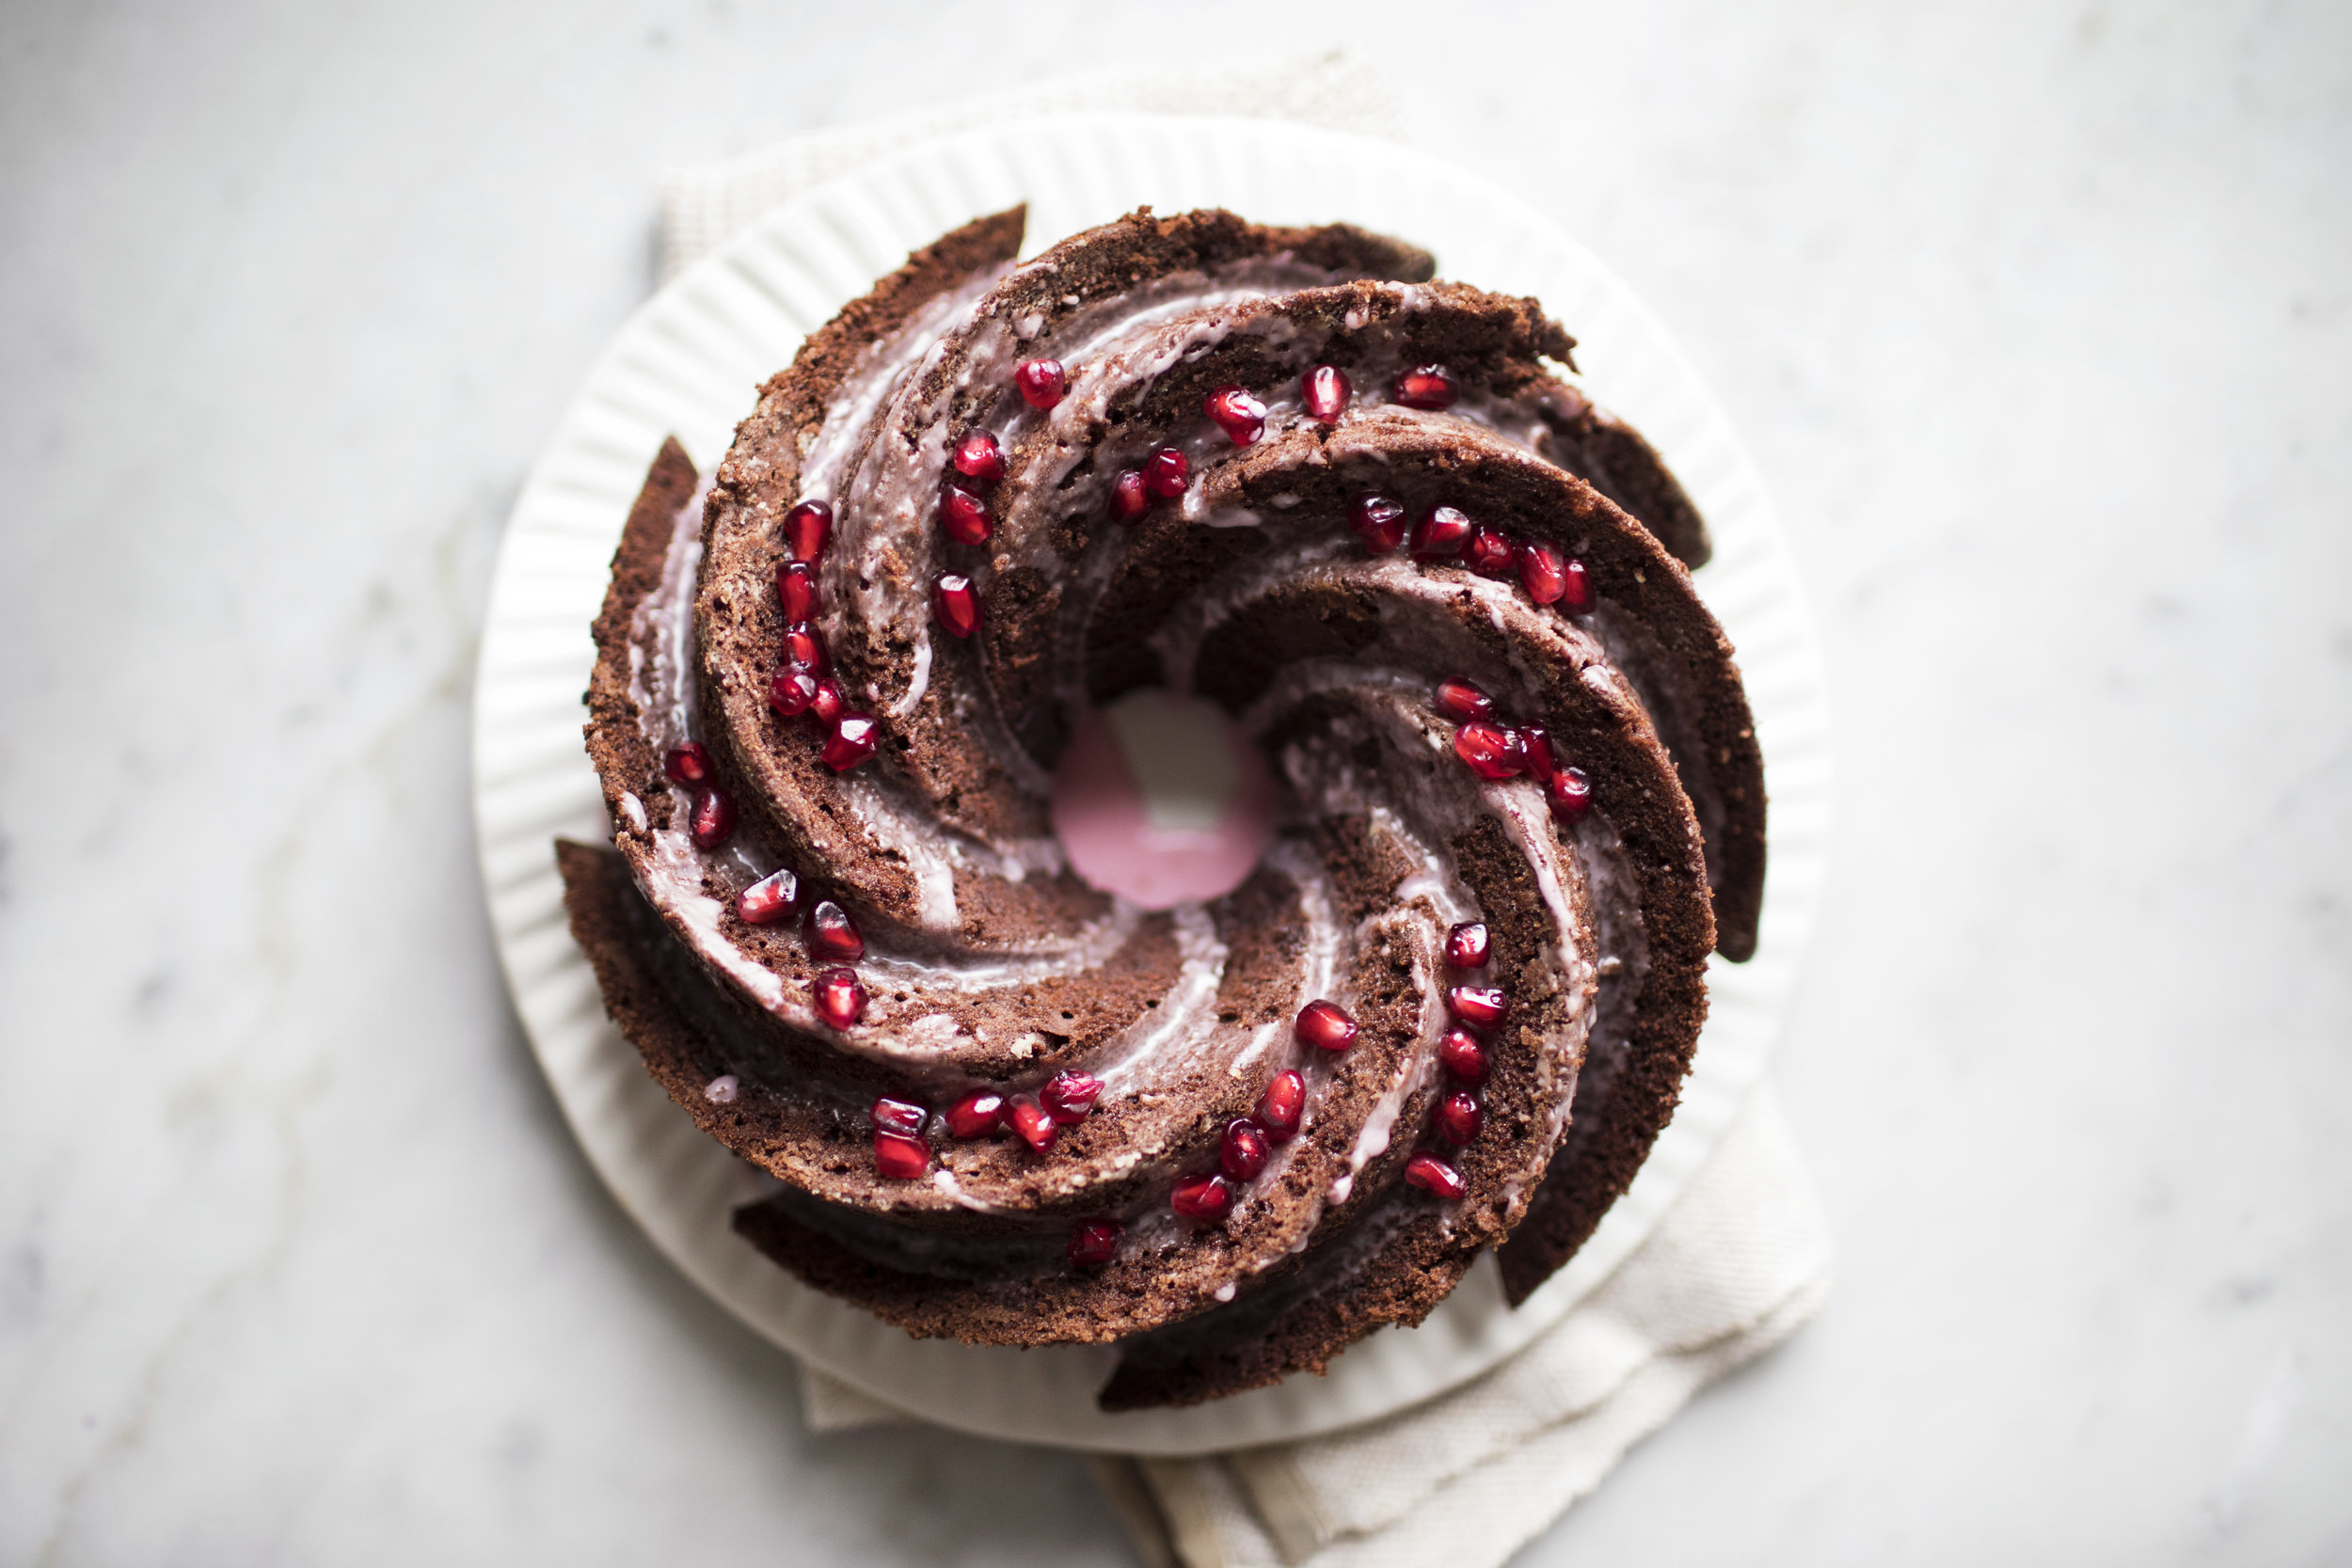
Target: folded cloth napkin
1735,1265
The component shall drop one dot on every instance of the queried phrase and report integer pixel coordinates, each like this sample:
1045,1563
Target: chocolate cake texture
1369,516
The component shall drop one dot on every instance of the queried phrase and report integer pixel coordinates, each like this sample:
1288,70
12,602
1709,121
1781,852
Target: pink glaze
1159,800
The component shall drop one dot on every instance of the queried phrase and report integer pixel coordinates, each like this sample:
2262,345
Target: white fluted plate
688,363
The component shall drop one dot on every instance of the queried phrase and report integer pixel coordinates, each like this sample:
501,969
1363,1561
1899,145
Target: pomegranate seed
796,586
976,1115
1432,1175
769,899
902,1117
1068,1096
1280,1107
1245,1151
1571,794
840,997
804,648
1379,522
856,737
954,605
831,934
1544,571
1464,700
1479,1006
1466,946
1202,1197
792,691
827,704
1043,382
1540,762
1325,1026
978,456
688,765
1425,387
807,527
902,1159
1240,416
1461,1054
1166,473
1130,500
1492,750
1033,1122
964,517
1459,1119
1326,390
1441,533
1492,552
1577,597
714,817
1094,1242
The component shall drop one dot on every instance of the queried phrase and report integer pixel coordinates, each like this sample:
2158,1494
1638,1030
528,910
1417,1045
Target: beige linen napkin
1735,1265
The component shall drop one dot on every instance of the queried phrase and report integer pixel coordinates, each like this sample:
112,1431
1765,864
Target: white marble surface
2035,317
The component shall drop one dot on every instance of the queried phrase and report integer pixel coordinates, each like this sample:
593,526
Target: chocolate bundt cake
1444,595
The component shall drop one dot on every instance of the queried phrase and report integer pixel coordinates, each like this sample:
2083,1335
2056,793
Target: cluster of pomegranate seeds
1379,522
956,604
964,517
1425,387
1479,1006
1094,1241
1432,1175
713,821
1464,700
976,1115
1326,1027
1570,793
769,900
840,997
796,589
1282,1105
1441,533
1460,1117
978,456
1043,382
1240,416
831,934
1033,1121
1492,751
1551,577
1130,500
1166,473
1466,945
1325,389
806,529
1461,1054
688,764
1245,1149
856,737
1207,1196
1068,1096
1491,553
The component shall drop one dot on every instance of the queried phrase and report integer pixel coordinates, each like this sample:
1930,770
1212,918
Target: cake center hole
1160,800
